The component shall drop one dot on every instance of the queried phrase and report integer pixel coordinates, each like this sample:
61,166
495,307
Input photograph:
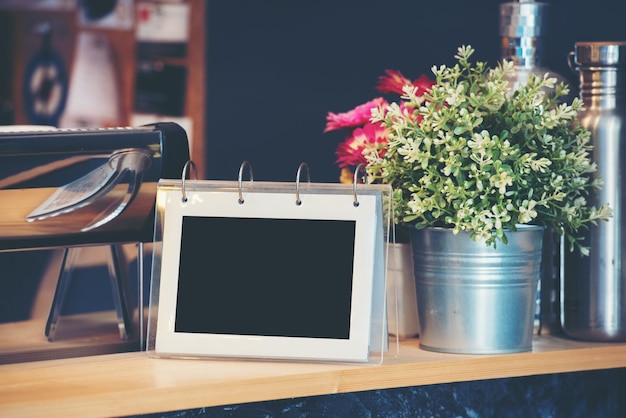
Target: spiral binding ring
245,163
355,182
308,176
184,176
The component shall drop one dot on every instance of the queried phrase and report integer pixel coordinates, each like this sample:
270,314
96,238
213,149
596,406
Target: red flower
355,117
394,81
424,83
352,151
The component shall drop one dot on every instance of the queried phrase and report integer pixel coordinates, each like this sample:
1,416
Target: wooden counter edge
133,383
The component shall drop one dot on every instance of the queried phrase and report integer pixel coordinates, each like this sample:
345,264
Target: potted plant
478,170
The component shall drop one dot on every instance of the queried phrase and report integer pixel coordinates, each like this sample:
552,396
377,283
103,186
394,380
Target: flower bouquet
368,138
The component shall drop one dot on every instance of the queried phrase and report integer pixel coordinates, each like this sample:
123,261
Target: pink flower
355,117
352,151
367,137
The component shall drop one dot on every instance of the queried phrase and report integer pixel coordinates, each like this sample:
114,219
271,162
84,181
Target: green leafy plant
473,155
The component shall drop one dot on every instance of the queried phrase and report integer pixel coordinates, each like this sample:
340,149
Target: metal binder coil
355,182
240,179
188,164
308,175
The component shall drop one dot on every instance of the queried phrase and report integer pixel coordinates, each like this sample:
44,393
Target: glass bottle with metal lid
594,287
523,27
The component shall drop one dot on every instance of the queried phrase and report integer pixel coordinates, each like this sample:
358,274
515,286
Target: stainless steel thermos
594,287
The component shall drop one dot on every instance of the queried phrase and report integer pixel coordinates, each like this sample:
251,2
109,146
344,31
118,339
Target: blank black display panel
265,277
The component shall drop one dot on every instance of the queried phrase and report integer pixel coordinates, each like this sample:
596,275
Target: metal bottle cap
600,53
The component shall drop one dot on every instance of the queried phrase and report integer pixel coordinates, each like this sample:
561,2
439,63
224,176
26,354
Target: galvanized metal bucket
473,298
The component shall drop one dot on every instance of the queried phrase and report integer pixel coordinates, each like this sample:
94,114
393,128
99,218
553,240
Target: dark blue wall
276,67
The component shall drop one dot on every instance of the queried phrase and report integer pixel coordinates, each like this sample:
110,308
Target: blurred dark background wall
276,67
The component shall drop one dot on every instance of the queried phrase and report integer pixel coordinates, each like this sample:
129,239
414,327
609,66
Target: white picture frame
212,337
